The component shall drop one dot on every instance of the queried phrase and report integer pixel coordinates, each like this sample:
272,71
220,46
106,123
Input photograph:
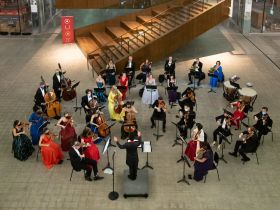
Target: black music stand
223,146
157,134
176,136
99,90
151,89
185,161
113,195
110,134
106,149
182,149
147,148
77,107
211,87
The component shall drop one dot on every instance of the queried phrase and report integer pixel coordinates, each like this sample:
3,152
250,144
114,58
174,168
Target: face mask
263,113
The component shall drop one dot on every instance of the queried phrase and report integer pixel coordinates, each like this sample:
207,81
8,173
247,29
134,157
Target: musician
86,99
193,146
233,81
100,83
130,69
169,66
186,122
124,83
171,82
217,70
146,68
264,122
39,96
111,73
188,99
115,102
57,83
196,71
149,96
51,152
159,113
172,89
129,119
90,150
80,162
223,129
238,114
132,159
248,142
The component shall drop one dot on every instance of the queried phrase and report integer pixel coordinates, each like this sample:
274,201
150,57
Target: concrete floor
28,185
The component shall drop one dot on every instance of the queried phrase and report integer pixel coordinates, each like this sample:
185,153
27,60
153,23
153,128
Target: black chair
73,169
215,166
270,131
256,154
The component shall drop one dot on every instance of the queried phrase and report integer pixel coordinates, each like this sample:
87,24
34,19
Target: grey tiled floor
28,185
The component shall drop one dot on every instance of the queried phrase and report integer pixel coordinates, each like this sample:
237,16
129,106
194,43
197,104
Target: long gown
111,105
238,116
52,154
201,169
91,151
22,146
100,95
214,80
146,98
123,82
36,127
67,136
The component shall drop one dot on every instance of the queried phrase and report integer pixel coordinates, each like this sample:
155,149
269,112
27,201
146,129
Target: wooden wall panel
85,4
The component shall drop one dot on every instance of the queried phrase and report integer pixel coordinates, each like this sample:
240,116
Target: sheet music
147,147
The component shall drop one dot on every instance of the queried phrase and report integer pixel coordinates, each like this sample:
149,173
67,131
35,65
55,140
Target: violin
68,92
191,96
162,105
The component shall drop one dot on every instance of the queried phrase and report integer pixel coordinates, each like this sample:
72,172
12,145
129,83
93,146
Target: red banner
67,29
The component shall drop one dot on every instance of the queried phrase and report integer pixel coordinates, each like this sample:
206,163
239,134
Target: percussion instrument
248,95
229,89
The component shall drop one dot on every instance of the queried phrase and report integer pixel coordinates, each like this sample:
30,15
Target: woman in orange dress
90,149
124,82
51,152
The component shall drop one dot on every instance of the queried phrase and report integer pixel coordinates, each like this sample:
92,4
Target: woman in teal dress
100,83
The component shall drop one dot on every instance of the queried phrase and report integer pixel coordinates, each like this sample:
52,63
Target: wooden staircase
137,36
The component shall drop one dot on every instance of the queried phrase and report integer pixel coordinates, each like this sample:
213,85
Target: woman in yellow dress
113,101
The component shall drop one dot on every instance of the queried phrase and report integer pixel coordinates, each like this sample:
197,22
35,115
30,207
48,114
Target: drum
229,91
247,95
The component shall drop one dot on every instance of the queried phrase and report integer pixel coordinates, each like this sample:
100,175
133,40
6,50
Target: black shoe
189,176
153,126
198,84
131,177
233,154
98,178
245,159
163,130
60,162
177,116
88,178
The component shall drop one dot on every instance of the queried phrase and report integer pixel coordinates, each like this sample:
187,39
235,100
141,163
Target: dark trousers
88,165
221,137
197,75
133,167
57,92
130,73
159,117
240,147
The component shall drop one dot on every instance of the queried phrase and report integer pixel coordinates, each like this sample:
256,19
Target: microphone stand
113,195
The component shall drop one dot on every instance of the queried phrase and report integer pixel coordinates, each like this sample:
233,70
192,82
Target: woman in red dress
51,152
124,82
238,114
67,133
90,149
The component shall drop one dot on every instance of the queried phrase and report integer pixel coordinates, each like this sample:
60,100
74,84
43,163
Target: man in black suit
159,113
57,83
264,122
223,129
130,69
169,67
246,144
196,72
80,162
39,96
86,99
132,159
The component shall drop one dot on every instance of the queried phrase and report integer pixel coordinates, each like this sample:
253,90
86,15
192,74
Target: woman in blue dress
37,123
100,83
218,72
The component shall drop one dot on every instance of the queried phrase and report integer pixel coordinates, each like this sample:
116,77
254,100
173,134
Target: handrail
121,47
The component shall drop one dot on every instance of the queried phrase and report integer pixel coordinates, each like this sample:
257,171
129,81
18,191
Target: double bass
130,125
68,92
52,105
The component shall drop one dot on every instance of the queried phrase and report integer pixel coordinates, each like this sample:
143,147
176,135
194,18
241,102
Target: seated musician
145,68
218,72
89,148
129,124
233,81
80,162
169,67
188,99
159,113
264,122
193,145
51,152
93,124
196,71
115,104
150,96
186,122
239,114
111,73
248,142
223,129
100,83
123,82
130,69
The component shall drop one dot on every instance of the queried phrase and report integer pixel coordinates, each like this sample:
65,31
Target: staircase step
103,39
88,45
117,31
158,24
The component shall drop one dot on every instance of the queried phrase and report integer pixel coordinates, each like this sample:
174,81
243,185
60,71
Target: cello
118,104
52,105
103,128
68,92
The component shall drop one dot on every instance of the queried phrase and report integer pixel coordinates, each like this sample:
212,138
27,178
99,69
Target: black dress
22,146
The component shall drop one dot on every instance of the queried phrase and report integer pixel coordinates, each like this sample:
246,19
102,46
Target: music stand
182,149
151,89
147,147
113,195
185,161
110,134
129,72
176,136
157,118
99,90
77,107
223,146
211,87
107,169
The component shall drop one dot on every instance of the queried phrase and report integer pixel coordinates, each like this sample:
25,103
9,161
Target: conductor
131,153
